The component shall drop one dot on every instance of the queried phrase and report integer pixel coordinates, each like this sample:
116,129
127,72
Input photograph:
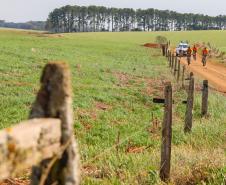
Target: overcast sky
25,10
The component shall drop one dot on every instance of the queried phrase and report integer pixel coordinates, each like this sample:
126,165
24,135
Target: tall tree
100,18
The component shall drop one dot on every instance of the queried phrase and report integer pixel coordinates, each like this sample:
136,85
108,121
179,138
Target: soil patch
123,78
95,172
152,45
102,106
15,181
135,149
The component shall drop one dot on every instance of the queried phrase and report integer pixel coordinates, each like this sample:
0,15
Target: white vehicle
182,49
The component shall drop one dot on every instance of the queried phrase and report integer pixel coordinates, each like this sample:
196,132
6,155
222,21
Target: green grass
114,71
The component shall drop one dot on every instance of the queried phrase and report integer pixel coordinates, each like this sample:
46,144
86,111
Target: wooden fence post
54,100
190,102
205,92
183,74
172,62
166,135
169,56
175,67
178,71
163,50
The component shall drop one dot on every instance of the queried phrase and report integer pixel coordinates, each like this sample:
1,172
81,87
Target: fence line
175,67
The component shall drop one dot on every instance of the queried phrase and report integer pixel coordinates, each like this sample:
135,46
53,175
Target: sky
38,10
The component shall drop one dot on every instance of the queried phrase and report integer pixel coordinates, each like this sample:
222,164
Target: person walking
194,52
189,52
204,56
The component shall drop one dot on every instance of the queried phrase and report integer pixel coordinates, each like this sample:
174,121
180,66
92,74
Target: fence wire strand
107,150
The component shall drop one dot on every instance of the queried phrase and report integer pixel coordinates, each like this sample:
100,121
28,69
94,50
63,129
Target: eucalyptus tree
100,18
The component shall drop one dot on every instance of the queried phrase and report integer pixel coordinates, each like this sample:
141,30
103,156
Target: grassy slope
111,71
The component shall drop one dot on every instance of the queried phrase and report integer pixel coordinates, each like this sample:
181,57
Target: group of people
193,51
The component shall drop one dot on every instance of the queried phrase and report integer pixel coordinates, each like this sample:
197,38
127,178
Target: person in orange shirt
189,52
194,49
204,56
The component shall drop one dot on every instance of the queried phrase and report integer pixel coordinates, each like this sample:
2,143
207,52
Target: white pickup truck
182,49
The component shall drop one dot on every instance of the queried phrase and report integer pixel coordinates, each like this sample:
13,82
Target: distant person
204,56
194,49
189,52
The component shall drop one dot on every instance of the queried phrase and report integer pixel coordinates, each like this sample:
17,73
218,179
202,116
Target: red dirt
102,106
123,78
91,171
154,87
15,181
134,149
151,45
214,72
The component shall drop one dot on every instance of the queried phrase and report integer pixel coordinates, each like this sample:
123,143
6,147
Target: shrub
161,39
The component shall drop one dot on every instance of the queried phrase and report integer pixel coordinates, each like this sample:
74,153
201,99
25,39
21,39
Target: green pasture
114,80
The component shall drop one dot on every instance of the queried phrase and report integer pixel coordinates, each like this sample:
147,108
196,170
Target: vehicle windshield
183,46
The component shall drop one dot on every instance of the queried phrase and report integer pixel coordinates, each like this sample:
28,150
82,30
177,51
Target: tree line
99,18
31,25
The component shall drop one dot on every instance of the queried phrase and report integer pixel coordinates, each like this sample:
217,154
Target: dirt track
215,73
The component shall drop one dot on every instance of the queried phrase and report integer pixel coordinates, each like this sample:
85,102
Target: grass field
114,81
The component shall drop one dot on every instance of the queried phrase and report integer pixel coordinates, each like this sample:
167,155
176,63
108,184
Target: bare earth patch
102,106
153,86
152,45
135,149
95,172
123,79
15,181
83,115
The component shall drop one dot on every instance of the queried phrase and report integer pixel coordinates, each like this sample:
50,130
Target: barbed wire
112,147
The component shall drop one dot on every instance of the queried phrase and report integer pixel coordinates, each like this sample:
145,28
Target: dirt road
213,72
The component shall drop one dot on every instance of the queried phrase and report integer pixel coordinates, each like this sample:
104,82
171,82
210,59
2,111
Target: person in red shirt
189,52
204,56
194,49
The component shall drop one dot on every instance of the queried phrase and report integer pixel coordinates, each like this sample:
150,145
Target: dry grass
191,166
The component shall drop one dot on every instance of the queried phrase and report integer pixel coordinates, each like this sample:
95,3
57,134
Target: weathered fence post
163,50
166,51
178,71
190,102
170,59
169,56
172,63
166,135
175,67
183,74
205,92
54,100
